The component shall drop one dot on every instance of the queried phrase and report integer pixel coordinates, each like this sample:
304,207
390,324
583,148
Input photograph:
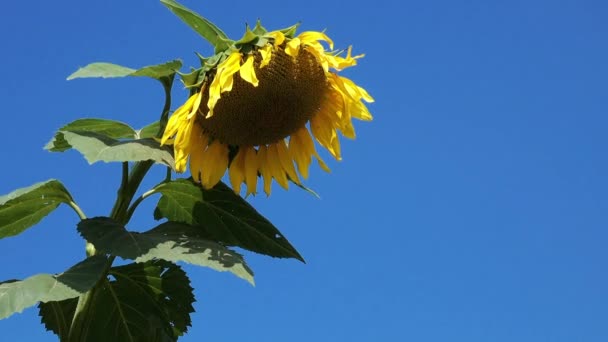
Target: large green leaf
18,295
109,70
98,147
170,241
149,302
110,128
57,316
100,69
25,207
202,26
223,215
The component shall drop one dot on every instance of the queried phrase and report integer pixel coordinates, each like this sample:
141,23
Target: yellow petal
247,71
214,94
181,146
177,119
196,104
339,62
251,170
293,47
321,57
264,168
365,95
198,145
347,129
322,163
278,37
229,67
237,171
276,169
286,161
299,153
215,164
310,37
266,53
310,146
359,111
326,135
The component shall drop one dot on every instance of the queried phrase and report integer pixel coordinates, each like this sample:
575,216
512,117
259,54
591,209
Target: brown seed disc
289,93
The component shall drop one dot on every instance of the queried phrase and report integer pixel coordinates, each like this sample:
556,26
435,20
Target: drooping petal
215,163
299,153
247,71
326,135
359,111
196,104
310,146
198,144
276,169
181,147
237,171
286,161
310,37
229,67
278,37
266,53
251,169
177,119
293,47
321,57
265,168
214,94
365,95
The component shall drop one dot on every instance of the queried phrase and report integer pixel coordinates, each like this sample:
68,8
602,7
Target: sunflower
256,106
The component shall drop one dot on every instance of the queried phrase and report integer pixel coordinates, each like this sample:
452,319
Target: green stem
138,201
168,175
77,209
121,213
164,116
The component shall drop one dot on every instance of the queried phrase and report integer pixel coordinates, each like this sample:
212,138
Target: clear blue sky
473,208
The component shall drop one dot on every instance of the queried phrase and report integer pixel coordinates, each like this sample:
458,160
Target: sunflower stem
167,83
129,185
168,175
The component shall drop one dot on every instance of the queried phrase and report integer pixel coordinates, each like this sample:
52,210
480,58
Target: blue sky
473,208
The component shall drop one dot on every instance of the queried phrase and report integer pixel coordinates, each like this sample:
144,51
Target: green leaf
149,302
97,147
160,70
18,295
149,131
103,70
25,207
223,215
57,316
202,26
170,241
110,128
109,70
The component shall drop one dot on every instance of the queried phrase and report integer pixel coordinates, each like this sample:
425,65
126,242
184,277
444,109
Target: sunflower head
257,104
